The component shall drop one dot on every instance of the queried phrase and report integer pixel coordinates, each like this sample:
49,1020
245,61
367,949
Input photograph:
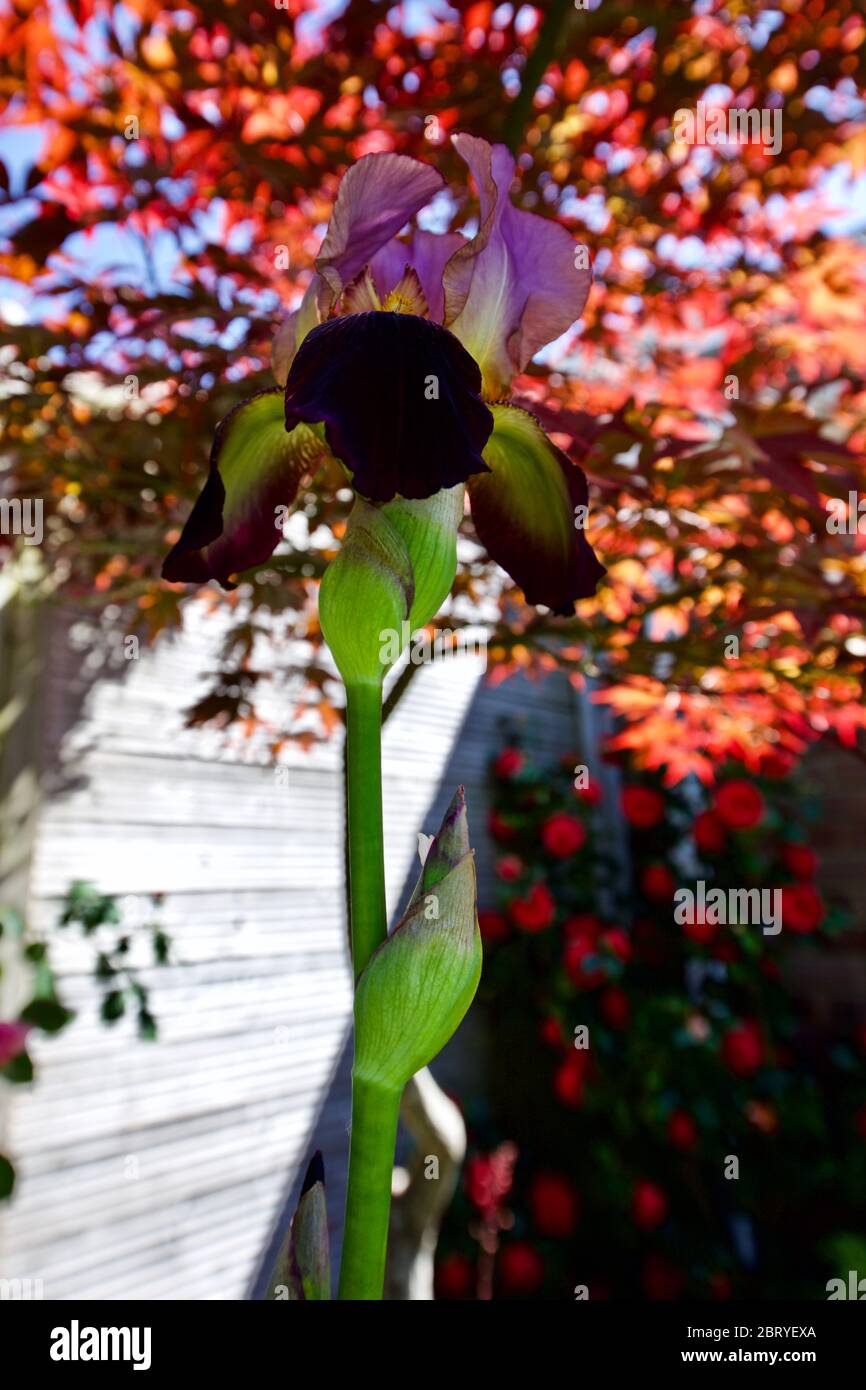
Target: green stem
374,1111
367,912
368,1199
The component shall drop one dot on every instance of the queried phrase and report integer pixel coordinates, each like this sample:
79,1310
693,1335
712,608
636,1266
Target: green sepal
417,986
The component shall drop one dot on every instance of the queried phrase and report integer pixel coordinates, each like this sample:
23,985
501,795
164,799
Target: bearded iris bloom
399,363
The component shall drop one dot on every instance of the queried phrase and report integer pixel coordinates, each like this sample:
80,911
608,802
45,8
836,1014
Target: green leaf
19,1071
88,907
113,1006
161,947
104,970
47,1014
146,1026
7,1177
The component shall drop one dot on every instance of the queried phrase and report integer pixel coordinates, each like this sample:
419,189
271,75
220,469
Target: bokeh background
171,763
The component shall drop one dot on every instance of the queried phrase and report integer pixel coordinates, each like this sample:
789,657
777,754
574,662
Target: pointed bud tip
456,809
315,1172
455,819
451,843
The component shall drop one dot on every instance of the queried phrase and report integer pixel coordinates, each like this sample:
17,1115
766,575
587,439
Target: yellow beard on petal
407,296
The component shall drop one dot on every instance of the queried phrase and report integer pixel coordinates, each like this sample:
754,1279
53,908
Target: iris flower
399,363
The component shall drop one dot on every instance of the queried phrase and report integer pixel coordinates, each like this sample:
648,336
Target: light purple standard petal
519,283
377,197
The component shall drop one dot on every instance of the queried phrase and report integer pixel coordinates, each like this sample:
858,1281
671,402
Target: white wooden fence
162,1170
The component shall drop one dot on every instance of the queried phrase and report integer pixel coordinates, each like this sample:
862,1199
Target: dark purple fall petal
399,398
255,467
526,513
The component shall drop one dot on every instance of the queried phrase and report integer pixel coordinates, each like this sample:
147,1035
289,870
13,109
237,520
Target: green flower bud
367,590
417,986
429,530
303,1270
395,568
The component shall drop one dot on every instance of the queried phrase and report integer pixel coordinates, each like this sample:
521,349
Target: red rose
802,908
658,882
661,1280
554,1204
499,828
509,867
493,926
743,1048
563,835
576,952
616,941
591,793
520,1268
720,1285
614,1007
776,763
800,860
534,912
569,1079
709,833
642,807
550,1032
739,804
584,924
509,763
649,1205
455,1277
682,1131
13,1039
700,930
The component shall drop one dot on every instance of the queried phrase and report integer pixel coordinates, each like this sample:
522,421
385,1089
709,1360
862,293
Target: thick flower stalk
398,364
